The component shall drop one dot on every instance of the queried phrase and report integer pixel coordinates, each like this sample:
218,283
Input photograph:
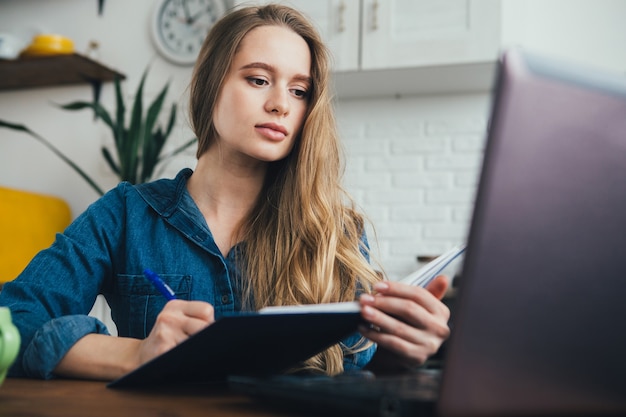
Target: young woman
262,220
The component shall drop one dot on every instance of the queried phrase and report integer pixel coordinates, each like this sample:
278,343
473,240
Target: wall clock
180,26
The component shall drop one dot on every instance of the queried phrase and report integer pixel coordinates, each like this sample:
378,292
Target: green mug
9,342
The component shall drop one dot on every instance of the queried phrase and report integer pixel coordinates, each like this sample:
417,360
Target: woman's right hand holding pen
177,321
104,357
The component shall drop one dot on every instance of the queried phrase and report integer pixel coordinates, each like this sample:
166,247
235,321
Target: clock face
180,26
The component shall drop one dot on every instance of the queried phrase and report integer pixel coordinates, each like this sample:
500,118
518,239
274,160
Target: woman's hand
175,323
103,357
408,323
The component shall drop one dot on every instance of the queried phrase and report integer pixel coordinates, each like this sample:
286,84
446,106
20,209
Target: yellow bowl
49,45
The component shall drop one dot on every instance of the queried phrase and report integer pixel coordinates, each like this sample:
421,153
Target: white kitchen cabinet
338,21
402,47
383,34
392,47
410,33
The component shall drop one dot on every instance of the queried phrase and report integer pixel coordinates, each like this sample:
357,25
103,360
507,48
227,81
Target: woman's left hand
408,323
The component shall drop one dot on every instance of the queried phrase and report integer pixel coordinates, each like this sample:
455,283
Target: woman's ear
438,286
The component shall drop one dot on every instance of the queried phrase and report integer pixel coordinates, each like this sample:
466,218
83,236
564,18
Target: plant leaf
165,159
134,136
171,122
162,139
100,111
14,126
180,149
22,128
155,109
118,135
109,159
151,155
152,141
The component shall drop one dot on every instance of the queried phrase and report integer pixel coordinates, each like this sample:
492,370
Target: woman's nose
277,102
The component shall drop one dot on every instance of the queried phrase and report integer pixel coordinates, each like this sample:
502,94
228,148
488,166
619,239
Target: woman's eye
257,81
300,93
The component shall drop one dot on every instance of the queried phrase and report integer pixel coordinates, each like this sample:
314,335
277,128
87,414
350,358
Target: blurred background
413,91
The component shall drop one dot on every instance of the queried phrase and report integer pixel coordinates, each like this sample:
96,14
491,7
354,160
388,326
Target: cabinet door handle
342,21
375,15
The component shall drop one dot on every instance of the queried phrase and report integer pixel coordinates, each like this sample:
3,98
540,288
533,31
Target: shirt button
225,299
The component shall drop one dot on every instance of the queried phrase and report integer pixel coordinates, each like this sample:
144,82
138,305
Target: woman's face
264,98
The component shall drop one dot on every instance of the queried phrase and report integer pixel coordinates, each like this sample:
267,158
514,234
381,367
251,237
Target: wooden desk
69,398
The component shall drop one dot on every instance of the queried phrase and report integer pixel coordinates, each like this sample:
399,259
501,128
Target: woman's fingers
407,301
177,321
410,322
438,286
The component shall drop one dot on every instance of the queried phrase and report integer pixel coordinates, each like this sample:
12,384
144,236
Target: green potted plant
138,144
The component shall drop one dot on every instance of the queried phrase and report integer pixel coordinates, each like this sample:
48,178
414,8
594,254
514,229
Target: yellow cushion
28,223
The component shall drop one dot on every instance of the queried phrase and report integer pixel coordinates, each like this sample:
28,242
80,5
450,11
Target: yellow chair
28,223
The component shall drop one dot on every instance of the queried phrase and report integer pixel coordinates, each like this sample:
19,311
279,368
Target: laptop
539,323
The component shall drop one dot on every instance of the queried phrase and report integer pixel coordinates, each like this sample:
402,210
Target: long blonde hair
303,240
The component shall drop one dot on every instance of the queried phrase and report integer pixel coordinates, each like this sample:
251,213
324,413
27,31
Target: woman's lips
272,131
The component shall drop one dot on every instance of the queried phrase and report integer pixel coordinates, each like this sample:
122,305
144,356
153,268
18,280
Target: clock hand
188,18
195,17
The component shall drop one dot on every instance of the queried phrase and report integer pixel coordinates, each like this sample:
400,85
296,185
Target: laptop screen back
540,325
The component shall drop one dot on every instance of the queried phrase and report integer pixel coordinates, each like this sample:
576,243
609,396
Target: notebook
251,343
541,306
271,341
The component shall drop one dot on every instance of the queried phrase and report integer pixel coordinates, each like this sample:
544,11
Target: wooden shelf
57,70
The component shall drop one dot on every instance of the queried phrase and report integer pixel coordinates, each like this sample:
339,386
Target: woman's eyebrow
271,68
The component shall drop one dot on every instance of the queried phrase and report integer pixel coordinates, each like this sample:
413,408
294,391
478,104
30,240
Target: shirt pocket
136,303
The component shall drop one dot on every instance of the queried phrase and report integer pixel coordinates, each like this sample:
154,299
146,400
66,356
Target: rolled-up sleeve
52,341
51,298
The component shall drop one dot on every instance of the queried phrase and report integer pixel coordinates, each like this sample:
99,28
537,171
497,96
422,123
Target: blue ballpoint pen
160,285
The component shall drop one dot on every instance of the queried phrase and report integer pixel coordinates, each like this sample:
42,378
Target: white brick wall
412,165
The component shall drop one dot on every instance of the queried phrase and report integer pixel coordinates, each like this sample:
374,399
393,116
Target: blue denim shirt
104,251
